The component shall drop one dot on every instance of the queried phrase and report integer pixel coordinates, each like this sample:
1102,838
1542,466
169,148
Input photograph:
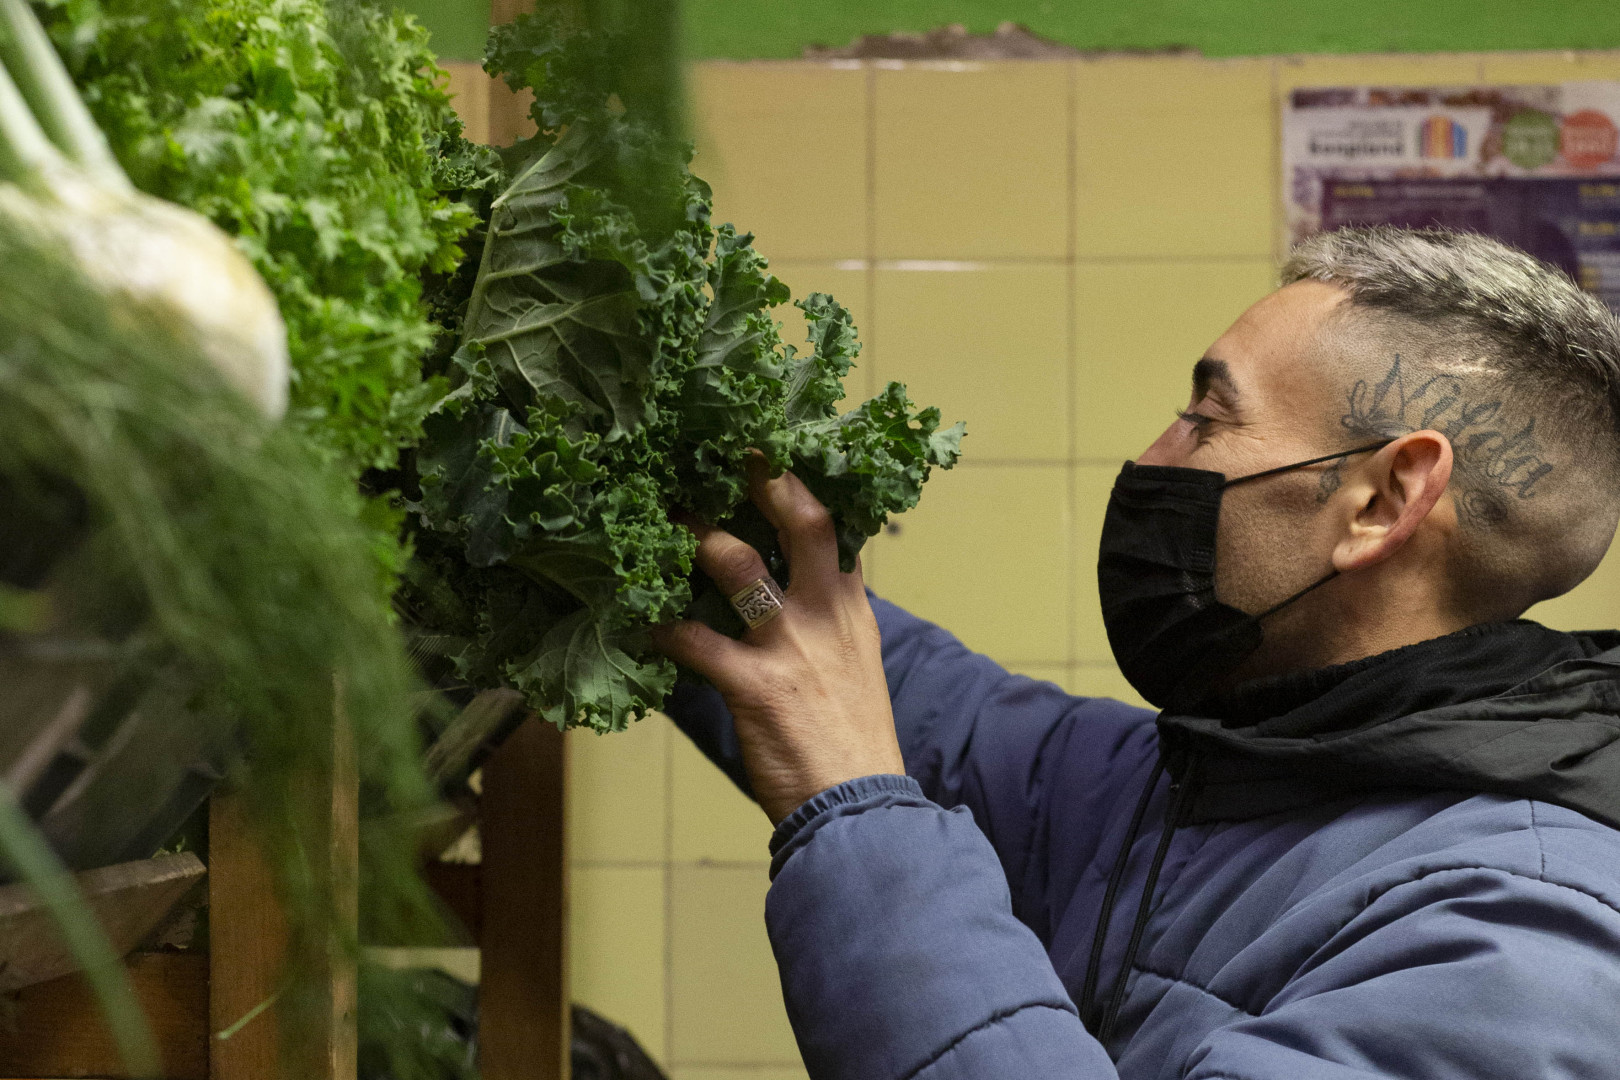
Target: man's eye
1196,419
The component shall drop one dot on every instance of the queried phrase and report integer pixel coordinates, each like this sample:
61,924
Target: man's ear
1396,490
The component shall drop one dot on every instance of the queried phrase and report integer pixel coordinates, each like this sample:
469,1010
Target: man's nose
1170,448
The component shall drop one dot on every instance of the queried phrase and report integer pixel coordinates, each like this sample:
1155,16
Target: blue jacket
1395,907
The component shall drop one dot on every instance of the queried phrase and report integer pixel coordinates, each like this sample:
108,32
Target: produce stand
213,1012
512,903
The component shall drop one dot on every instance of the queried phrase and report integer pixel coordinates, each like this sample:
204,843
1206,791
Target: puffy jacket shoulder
1442,936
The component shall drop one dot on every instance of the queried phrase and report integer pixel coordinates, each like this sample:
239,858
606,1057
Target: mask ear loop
1331,574
1317,584
1313,461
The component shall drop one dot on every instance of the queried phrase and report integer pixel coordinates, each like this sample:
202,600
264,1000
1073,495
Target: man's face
1262,398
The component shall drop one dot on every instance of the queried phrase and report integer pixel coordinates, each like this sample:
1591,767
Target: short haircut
1513,362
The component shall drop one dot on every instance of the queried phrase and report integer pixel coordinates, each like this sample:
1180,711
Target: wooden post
248,939
523,992
521,885
508,112
341,1051
468,87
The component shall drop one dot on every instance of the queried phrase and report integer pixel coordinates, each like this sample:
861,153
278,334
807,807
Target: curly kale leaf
317,135
619,365
552,327
870,462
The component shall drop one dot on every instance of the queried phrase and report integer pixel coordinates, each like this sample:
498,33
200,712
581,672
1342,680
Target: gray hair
1504,354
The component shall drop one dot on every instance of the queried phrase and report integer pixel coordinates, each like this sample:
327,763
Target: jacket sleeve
898,949
1463,973
974,735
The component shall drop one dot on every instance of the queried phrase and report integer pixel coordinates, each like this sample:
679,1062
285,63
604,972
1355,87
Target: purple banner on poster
1573,224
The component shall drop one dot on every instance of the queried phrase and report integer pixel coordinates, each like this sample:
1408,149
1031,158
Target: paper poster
1536,166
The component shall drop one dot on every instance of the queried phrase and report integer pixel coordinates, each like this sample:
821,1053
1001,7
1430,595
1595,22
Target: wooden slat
341,1053
248,939
509,115
55,1030
469,96
457,884
504,11
342,977
247,942
523,992
129,899
508,112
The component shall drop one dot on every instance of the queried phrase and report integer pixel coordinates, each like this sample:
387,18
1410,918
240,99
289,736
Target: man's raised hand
806,689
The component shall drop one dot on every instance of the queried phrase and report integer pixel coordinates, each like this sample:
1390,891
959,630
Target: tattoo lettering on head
1485,441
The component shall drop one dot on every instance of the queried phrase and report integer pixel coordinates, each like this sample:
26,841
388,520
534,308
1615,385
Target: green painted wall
742,29
457,26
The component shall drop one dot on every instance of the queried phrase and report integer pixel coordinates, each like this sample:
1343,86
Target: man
1374,832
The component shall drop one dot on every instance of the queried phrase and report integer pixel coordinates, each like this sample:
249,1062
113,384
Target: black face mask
1171,637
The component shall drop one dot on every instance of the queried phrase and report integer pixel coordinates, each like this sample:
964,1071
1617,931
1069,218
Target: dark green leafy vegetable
618,363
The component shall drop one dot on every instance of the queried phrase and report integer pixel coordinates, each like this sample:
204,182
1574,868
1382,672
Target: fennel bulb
157,265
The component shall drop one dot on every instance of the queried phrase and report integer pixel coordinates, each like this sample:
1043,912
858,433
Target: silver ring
758,602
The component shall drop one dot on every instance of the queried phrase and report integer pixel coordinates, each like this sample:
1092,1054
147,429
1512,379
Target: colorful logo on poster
1442,137
1588,139
1530,138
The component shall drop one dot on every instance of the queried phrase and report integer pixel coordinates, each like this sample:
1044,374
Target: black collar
1428,715
1478,662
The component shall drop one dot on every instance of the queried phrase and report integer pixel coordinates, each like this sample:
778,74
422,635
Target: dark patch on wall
1009,41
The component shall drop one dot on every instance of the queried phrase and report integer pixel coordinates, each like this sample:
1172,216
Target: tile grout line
869,112
730,1066
1279,198
1071,344
644,864
669,891
741,1070
869,234
947,266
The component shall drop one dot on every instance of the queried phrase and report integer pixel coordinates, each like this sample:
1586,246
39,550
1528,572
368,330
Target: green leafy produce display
618,363
213,571
220,559
315,134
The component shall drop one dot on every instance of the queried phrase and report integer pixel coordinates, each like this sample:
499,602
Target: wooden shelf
514,905
129,899
56,1028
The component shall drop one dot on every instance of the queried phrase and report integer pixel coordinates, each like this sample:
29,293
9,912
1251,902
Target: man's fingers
707,652
730,562
803,525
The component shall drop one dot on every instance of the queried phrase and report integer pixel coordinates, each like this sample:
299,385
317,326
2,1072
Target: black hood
1508,708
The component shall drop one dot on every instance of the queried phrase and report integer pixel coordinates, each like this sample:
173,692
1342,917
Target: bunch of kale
618,363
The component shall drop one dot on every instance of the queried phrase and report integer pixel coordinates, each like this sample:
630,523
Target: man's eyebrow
1210,372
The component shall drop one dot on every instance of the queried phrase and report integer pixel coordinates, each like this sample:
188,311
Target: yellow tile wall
1173,158
784,146
1042,249
970,160
986,340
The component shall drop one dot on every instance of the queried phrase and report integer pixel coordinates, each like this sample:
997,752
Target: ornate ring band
759,602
